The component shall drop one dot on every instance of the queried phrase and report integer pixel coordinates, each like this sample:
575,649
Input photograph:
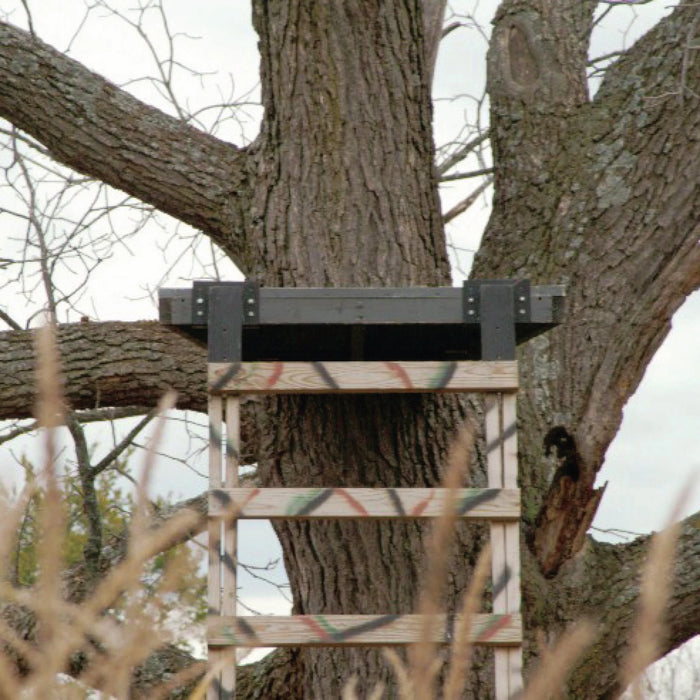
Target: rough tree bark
339,189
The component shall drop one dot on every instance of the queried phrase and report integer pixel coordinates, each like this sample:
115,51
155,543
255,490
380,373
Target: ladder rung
355,630
335,377
475,504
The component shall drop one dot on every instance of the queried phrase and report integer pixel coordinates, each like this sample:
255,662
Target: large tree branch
645,162
100,130
107,364
603,584
605,198
116,364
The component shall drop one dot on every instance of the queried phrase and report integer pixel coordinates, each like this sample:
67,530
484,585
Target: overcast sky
657,447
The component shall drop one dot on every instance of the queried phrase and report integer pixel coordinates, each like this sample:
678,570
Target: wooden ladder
499,504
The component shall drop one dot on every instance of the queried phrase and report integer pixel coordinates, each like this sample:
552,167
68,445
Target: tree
115,508
340,189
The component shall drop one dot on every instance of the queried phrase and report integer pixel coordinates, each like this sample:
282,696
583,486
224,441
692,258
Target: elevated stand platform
480,321
267,341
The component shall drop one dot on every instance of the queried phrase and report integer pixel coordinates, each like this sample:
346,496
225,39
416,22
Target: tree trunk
345,160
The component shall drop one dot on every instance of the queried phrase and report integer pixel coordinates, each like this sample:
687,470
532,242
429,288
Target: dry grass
649,631
556,663
462,646
417,680
56,629
423,657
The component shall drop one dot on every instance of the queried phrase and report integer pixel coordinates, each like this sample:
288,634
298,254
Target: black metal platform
484,319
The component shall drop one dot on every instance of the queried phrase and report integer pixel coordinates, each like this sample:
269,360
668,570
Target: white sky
658,445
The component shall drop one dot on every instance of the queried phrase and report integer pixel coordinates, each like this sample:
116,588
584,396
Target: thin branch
618,532
450,28
35,223
92,551
604,57
282,588
467,202
462,153
209,196
30,23
119,449
95,415
179,460
26,140
10,321
464,176
599,19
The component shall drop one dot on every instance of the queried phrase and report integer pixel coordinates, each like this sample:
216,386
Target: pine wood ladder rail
499,504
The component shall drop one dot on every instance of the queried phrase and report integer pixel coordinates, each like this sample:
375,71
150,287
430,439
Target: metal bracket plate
251,303
496,305
200,302
471,302
224,307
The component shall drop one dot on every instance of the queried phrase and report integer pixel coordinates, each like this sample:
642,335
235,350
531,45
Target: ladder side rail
512,537
500,572
230,525
214,551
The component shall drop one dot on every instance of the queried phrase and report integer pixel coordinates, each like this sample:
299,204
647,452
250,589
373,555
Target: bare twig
10,321
447,30
459,155
467,202
464,176
123,445
89,416
30,23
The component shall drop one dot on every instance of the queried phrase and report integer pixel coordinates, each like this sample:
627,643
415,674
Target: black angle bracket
225,307
497,305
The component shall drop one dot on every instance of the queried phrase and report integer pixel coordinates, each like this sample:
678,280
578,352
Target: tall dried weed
111,630
416,681
110,646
